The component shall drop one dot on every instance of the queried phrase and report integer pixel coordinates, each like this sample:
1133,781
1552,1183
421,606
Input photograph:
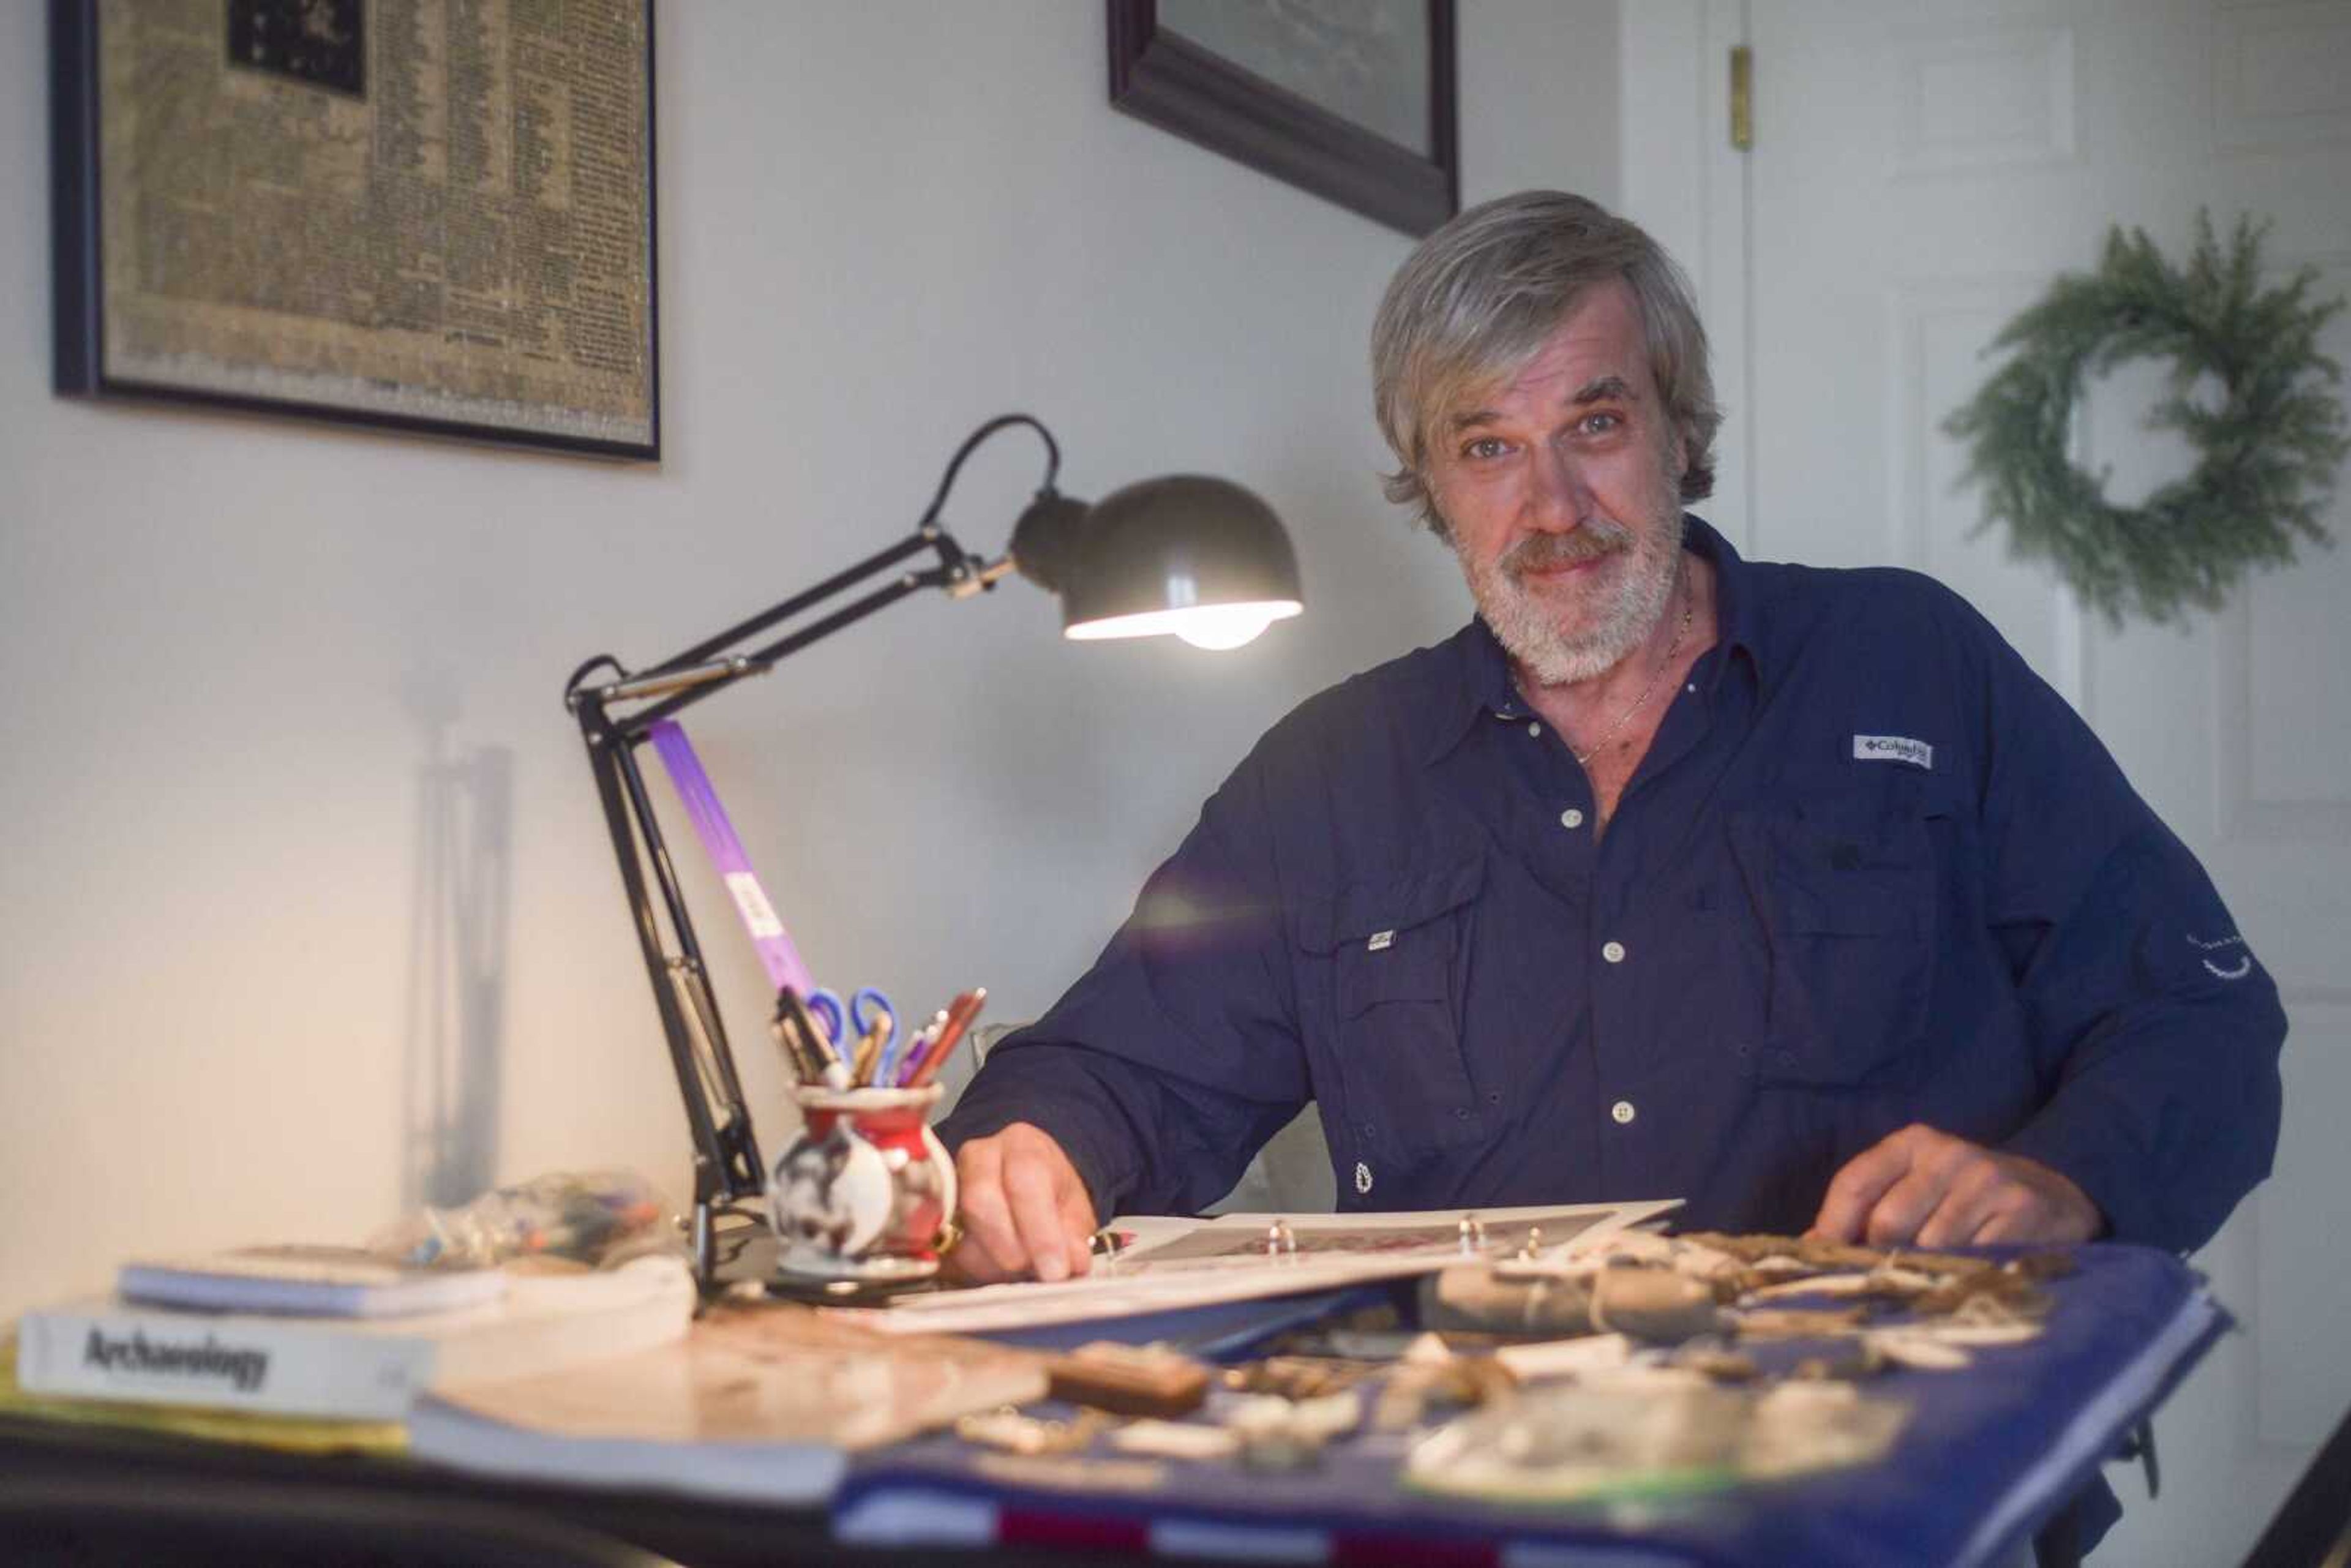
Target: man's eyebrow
1600,389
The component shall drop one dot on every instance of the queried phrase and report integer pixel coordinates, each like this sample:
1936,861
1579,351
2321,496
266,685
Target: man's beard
1528,626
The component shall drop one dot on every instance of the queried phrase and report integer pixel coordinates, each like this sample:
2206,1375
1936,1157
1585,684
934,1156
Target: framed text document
436,215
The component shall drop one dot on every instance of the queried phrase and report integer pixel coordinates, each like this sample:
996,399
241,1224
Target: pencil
960,1012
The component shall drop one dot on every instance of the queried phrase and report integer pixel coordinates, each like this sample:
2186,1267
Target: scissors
866,1014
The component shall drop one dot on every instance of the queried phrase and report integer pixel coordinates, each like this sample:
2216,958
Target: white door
1921,170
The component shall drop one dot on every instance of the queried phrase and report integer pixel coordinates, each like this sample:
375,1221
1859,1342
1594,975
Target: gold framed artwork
430,214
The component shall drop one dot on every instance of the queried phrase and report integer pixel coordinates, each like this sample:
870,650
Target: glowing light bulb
1222,627
1215,627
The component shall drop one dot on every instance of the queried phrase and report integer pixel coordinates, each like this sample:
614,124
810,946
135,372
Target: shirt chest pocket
1845,902
1387,966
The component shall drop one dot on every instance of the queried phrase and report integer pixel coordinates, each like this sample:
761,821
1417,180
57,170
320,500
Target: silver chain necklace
1584,758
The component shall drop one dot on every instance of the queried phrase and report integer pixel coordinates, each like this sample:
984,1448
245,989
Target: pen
909,1066
921,1044
785,1029
898,1056
830,1070
960,1012
868,1049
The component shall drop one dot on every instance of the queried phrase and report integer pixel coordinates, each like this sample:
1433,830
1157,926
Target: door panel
1921,170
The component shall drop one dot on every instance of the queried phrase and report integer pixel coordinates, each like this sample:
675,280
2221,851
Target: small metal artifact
2014,1293
1718,1366
1920,1351
1278,1434
1175,1440
1800,1322
1823,1256
1130,1379
1007,1430
1297,1376
1850,1362
1434,1377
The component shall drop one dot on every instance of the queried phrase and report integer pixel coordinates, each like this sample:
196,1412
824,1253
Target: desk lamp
1188,554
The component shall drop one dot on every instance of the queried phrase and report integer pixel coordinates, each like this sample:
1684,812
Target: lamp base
749,1255
814,1291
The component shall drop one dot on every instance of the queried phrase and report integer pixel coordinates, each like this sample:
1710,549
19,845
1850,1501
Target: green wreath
2268,452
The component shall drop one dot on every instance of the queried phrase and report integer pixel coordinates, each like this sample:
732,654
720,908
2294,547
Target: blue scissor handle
868,1006
847,1023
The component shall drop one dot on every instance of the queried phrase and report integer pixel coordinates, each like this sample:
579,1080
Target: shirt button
1570,817
1534,728
1614,953
1622,1112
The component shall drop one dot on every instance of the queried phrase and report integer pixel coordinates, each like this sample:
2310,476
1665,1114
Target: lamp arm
761,661
727,1164
927,534
849,576
726,1161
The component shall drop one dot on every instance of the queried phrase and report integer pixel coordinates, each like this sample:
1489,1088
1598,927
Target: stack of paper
306,1282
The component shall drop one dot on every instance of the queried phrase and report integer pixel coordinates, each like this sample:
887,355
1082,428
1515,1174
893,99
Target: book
348,1368
759,1403
289,1434
306,1279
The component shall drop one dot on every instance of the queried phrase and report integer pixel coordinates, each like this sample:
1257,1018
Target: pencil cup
864,1192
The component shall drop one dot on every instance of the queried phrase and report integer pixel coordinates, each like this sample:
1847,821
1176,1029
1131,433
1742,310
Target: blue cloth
1872,872
1989,1455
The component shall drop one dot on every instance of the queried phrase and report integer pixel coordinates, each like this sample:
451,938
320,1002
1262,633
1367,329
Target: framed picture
438,219
1352,100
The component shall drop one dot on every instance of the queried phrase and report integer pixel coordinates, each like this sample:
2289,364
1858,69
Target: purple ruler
717,835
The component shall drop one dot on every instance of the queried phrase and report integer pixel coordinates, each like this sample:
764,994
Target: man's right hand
1024,1210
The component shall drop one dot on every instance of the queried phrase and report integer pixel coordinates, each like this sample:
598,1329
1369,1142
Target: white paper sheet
1178,1263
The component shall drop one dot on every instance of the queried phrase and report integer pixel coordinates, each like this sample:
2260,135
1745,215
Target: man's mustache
1546,553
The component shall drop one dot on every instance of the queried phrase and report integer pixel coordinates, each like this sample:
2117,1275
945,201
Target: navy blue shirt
1872,872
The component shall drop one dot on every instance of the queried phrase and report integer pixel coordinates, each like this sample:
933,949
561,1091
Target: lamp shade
1190,554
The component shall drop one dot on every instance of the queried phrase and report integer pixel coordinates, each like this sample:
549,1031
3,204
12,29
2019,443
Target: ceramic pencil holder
864,1192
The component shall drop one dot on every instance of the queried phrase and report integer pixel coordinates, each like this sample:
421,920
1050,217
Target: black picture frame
87,362
1170,81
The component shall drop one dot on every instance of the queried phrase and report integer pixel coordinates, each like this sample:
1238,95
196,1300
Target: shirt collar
1483,690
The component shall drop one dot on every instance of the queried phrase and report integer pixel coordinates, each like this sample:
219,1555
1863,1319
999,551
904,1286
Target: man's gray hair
1482,294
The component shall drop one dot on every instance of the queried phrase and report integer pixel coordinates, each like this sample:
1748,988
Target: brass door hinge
1743,98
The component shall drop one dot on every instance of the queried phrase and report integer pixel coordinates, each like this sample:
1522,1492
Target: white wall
267,685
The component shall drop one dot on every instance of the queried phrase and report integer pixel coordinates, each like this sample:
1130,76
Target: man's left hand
1928,1189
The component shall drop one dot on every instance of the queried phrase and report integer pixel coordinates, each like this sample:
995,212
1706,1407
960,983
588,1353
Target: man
1791,893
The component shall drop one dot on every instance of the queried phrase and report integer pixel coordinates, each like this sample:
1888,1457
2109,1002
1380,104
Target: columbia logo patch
1893,748
2217,964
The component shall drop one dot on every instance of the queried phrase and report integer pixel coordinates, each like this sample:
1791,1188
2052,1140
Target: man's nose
1563,497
